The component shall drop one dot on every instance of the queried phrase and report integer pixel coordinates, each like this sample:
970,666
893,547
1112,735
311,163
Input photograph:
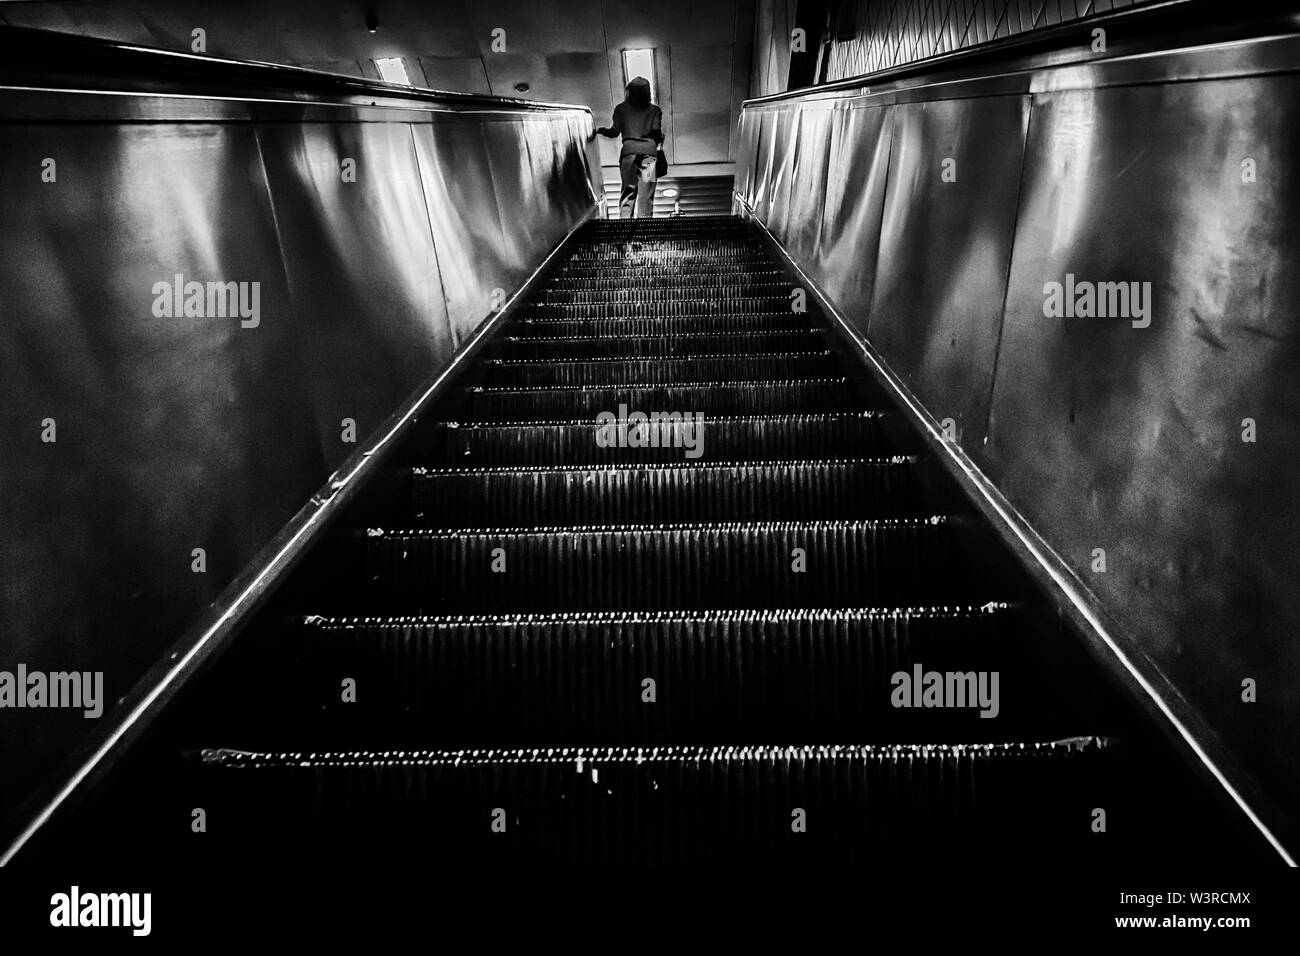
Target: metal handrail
44,59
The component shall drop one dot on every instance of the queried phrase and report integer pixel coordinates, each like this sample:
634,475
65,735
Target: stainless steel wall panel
754,159
936,306
461,202
809,165
748,134
781,171
860,144
1099,434
1130,439
838,163
514,198
362,267
175,432
539,183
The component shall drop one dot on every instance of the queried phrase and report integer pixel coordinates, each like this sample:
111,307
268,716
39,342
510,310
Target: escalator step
734,438
664,493
791,396
648,346
734,323
674,567
579,679
623,371
617,269
657,259
663,289
635,250
683,305
729,279
669,805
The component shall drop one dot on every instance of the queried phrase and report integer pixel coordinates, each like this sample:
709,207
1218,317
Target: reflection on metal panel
361,311
207,430
836,236
859,147
461,204
170,433
810,160
784,130
945,245
1101,434
1138,432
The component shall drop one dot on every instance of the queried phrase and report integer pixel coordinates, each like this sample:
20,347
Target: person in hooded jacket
640,123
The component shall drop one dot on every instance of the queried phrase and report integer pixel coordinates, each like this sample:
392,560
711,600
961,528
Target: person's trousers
638,195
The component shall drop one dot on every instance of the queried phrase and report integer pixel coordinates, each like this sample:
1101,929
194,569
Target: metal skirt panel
808,176
1100,434
861,140
945,244
170,434
837,194
461,203
175,433
362,266
1131,439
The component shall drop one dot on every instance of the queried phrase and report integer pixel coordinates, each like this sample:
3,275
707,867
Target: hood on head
638,91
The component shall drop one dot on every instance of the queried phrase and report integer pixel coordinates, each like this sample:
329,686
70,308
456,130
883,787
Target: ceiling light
392,70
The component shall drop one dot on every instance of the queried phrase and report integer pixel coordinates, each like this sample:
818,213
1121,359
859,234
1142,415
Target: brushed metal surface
1099,434
460,202
1130,439
172,433
809,165
945,244
183,433
839,164
849,241
360,308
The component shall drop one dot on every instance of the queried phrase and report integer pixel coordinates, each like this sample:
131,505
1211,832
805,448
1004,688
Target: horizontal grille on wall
696,196
881,34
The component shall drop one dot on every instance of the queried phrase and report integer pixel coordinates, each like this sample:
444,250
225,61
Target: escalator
775,633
